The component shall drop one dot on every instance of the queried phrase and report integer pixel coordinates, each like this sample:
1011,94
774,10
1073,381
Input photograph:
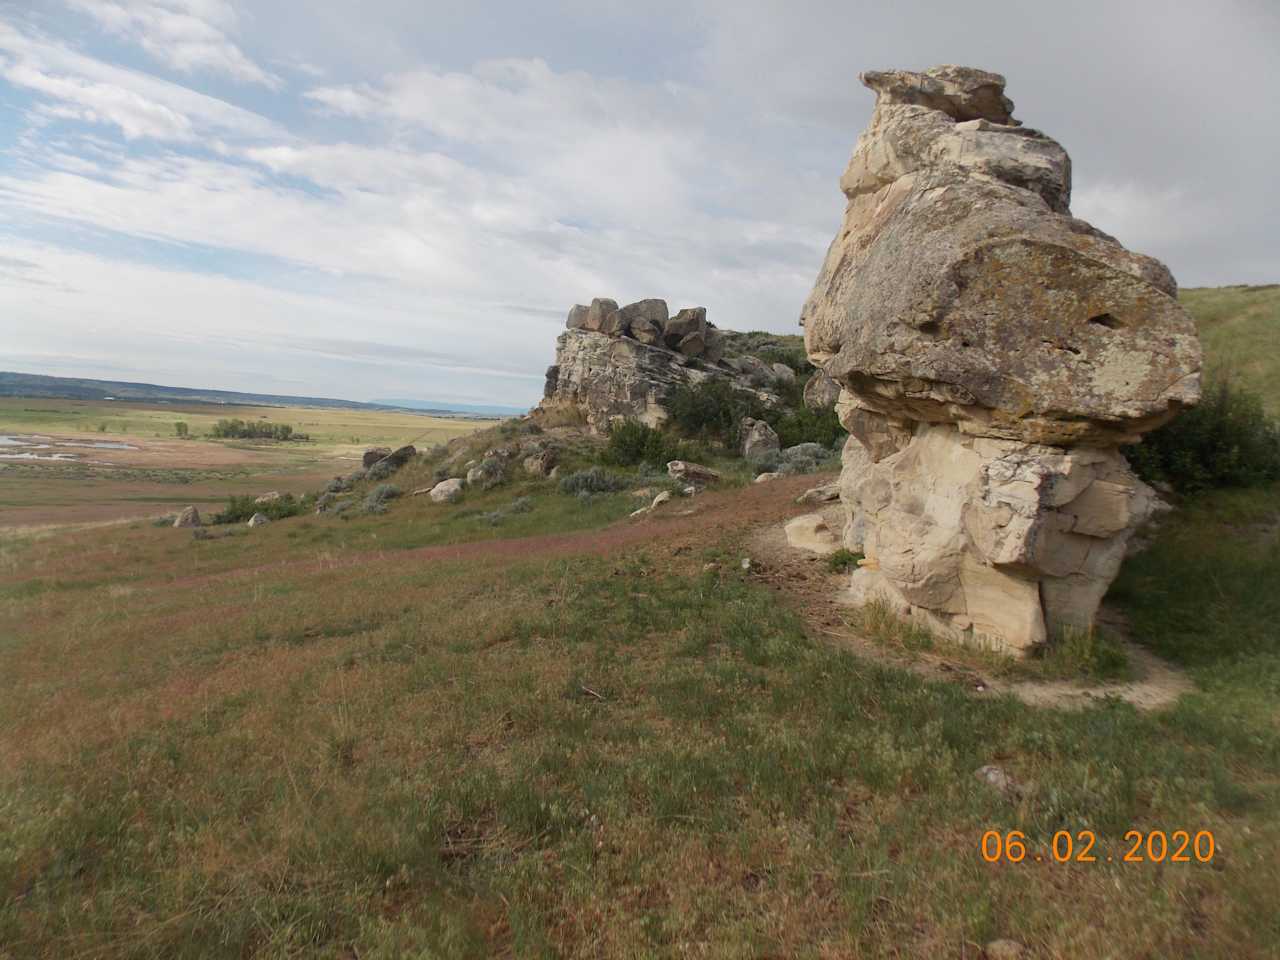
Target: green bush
713,410
843,560
592,480
254,430
793,357
240,509
375,500
1226,441
631,442
802,425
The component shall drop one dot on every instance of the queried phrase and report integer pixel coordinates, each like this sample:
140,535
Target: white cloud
187,35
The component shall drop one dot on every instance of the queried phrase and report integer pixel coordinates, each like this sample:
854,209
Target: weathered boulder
781,373
810,532
447,491
539,464
759,441
600,310
402,455
826,493
266,498
821,392
577,316
373,455
694,473
648,314
259,520
992,353
189,517
688,321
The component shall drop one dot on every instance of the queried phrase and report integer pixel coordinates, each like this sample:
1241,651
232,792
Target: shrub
381,470
240,509
713,409
375,500
843,560
180,429
592,480
1226,441
255,430
631,442
793,357
338,485
802,425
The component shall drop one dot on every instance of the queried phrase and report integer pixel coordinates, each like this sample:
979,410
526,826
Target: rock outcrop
623,362
759,440
993,353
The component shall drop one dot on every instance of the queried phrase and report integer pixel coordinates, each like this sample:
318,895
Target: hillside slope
1240,330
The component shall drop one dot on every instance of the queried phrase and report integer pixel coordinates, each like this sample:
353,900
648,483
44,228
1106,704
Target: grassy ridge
1240,330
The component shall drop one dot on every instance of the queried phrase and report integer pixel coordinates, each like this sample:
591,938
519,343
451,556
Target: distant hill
76,388
1240,330
479,409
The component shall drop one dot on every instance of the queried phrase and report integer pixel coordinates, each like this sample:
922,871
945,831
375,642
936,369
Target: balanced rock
993,353
600,309
759,441
189,517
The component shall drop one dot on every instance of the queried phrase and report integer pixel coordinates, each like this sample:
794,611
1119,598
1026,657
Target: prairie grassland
1240,327
297,741
165,473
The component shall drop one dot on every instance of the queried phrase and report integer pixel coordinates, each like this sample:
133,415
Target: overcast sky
401,198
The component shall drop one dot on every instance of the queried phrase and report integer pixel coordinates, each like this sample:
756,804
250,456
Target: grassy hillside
1240,330
405,735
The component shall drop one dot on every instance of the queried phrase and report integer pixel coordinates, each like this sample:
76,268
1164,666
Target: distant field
1240,330
163,472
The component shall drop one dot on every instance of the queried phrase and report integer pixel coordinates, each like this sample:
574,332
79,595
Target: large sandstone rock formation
623,362
993,352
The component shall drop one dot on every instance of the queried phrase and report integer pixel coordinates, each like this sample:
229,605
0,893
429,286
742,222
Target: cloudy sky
402,198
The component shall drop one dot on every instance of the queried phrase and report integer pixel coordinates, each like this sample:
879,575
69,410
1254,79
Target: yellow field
160,472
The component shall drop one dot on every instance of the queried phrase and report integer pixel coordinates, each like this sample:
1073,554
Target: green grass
1239,328
232,754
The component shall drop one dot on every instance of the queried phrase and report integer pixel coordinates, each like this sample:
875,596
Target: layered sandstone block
993,352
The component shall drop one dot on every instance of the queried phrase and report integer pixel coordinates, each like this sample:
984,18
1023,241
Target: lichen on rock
992,353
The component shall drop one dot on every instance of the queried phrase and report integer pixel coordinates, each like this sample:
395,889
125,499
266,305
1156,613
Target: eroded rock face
623,362
993,352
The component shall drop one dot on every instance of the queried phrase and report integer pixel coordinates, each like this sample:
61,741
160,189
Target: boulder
189,517
821,392
687,321
781,373
644,319
693,344
713,345
810,532
766,477
539,464
447,491
987,378
601,308
660,499
259,520
693,473
402,455
266,498
826,493
759,441
577,317
373,455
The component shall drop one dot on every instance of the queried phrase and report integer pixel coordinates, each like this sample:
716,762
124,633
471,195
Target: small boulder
821,392
782,373
259,520
826,493
266,498
447,491
539,464
806,451
577,317
373,455
759,441
694,473
693,345
810,532
189,517
766,477
660,499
